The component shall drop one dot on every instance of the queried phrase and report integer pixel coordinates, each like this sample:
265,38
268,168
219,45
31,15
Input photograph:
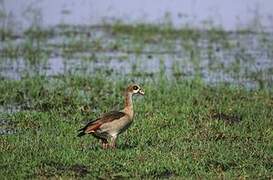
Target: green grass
181,129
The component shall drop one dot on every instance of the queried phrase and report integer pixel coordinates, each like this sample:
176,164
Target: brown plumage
110,125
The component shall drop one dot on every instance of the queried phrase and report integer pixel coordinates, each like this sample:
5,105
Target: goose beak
141,92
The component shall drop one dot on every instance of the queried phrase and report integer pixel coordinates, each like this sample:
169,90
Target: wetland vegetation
206,113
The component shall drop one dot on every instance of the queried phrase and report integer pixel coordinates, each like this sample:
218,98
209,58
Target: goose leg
104,144
113,142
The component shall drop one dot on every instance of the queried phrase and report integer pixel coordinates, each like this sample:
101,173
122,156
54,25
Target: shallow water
229,14
246,61
6,126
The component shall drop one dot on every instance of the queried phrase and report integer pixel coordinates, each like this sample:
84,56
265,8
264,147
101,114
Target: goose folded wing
108,117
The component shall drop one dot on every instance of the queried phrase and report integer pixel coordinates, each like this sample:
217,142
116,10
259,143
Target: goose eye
135,88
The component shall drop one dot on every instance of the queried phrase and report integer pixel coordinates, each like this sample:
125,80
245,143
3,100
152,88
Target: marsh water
229,14
228,42
239,58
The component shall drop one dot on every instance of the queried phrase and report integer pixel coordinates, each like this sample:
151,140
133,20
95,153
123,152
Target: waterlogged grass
148,32
126,38
213,55
181,129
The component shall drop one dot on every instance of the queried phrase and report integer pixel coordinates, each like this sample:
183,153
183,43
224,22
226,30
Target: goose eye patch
135,88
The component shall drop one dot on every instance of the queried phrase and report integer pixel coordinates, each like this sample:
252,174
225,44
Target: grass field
207,110
181,129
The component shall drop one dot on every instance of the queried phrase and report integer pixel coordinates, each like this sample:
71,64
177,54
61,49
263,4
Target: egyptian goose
110,125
